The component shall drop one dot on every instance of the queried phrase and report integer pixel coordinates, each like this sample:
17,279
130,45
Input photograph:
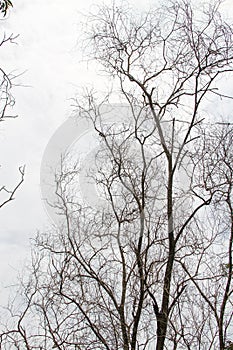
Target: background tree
4,6
6,103
152,269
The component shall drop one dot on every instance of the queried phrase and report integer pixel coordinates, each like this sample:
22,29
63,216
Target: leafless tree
4,6
152,269
209,265
6,103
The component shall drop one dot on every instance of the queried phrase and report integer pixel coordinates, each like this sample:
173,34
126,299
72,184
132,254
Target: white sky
47,52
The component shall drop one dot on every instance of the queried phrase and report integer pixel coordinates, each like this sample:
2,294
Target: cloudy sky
47,53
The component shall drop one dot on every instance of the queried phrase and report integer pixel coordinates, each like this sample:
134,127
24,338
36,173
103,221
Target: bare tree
211,273
4,6
6,103
152,269
207,320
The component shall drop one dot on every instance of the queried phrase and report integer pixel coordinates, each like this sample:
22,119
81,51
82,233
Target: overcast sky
48,56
